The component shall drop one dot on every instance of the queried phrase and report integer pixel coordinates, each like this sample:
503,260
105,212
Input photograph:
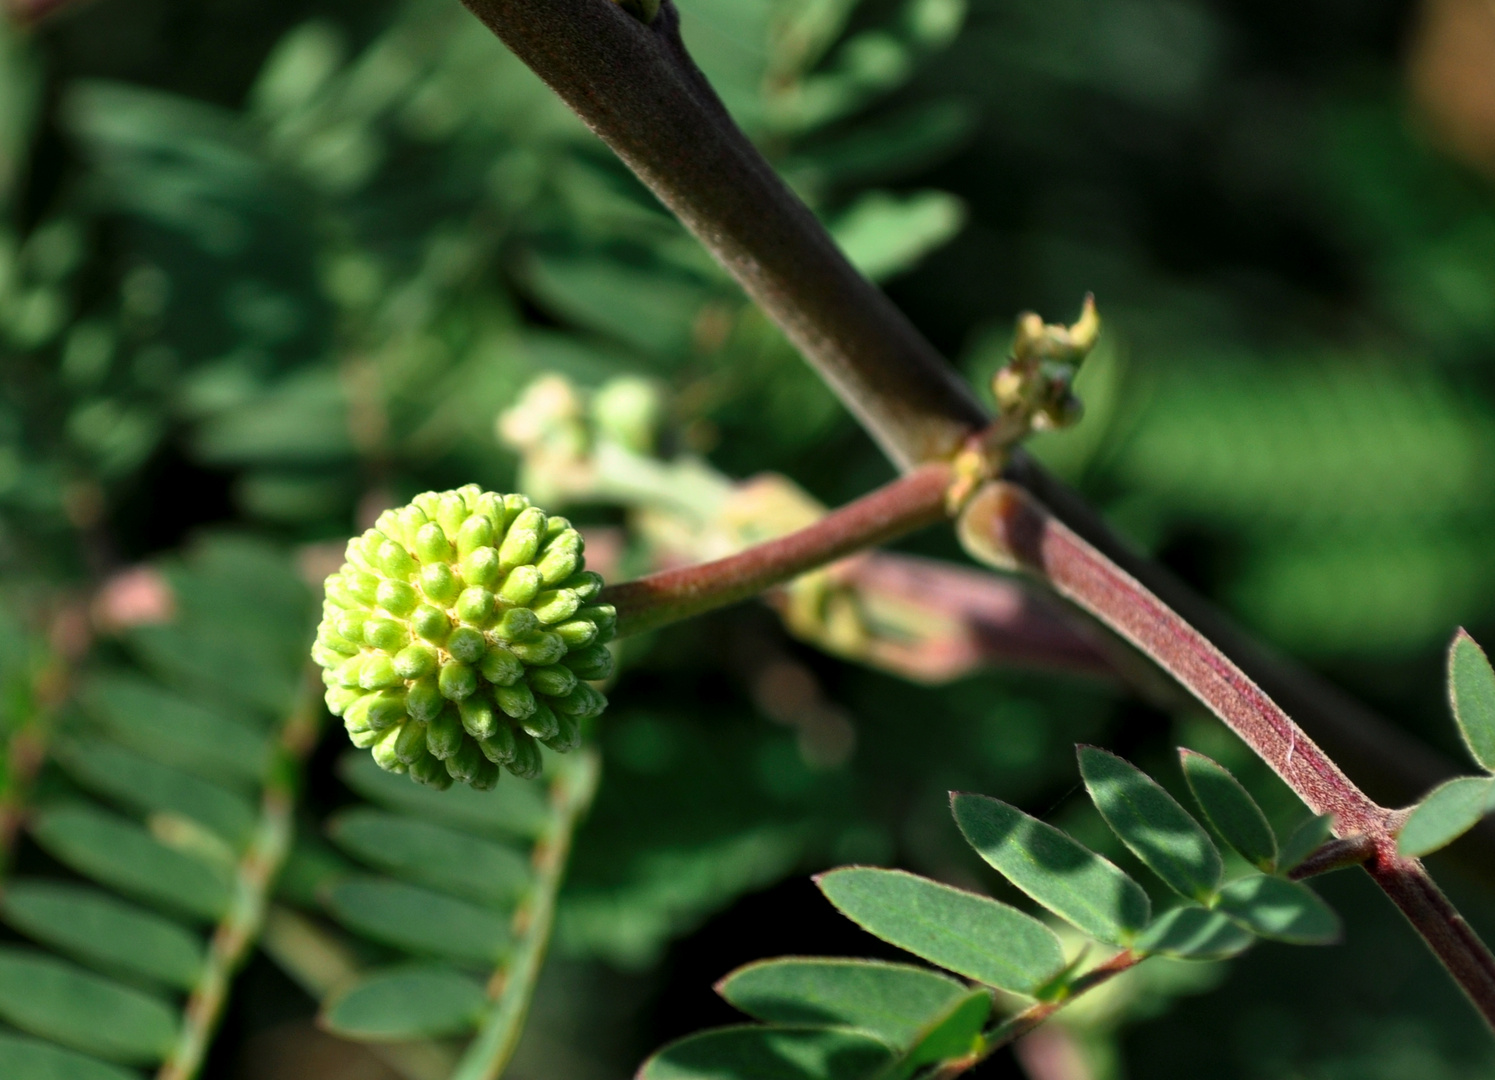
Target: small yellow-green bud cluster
460,634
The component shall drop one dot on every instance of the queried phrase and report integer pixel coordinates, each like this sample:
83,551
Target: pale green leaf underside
1232,811
971,935
1471,683
1194,933
1062,875
895,1002
407,1003
1283,910
52,998
769,1053
1447,813
1152,824
95,926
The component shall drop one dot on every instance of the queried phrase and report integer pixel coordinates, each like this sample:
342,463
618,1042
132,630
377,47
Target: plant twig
1005,526
253,880
902,506
514,985
637,88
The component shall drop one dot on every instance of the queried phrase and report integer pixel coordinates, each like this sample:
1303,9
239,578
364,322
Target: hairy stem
902,506
1005,526
254,878
637,88
513,987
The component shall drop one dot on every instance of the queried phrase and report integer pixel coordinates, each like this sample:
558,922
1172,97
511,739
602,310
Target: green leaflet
418,920
29,1059
971,935
952,1035
516,808
1232,811
895,1002
1471,685
96,927
1194,933
145,785
769,1053
1152,824
442,858
54,999
1062,875
120,853
406,1003
1304,841
1283,910
1445,814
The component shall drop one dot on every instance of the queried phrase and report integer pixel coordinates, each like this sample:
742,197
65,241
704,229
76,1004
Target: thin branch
637,88
513,986
902,506
253,880
1005,526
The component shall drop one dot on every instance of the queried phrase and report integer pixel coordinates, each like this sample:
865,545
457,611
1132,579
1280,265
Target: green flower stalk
461,633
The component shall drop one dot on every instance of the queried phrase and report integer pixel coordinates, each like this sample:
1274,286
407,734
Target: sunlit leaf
971,935
1062,875
1150,822
1447,813
1471,683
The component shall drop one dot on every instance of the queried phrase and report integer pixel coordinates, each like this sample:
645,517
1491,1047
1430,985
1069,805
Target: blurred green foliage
287,280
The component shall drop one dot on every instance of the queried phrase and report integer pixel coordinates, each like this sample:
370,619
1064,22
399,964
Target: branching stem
902,506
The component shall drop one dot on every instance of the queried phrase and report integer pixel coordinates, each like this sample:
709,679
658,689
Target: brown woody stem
637,88
902,506
1005,526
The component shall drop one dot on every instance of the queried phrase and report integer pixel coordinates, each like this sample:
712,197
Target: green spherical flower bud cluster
460,634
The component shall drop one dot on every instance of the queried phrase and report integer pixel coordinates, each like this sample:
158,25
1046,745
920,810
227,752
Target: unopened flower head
461,633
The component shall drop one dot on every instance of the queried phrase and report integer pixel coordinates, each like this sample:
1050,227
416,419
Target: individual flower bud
432,545
482,567
476,532
553,681
444,734
499,747
467,645
397,597
432,772
386,635
523,539
486,778
593,662
410,747
540,650
584,702
517,701
521,586
386,710
479,718
516,623
567,736
555,605
627,409
432,624
587,584
446,622
527,761
395,561
424,699
542,723
338,698
438,582
477,606
466,763
416,661
501,667
378,672
576,633
457,680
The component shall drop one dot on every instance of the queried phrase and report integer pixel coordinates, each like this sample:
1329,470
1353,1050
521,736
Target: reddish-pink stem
1006,526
